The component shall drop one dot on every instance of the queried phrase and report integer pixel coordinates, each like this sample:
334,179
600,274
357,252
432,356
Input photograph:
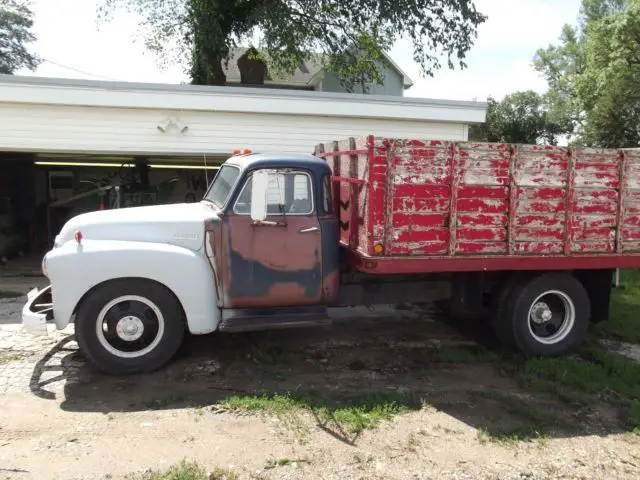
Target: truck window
222,185
289,192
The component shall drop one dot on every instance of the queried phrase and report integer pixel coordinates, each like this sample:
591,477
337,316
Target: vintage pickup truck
528,234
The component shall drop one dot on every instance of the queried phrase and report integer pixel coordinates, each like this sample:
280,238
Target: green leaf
345,36
16,23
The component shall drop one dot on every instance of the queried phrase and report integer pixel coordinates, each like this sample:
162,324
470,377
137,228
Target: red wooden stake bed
415,205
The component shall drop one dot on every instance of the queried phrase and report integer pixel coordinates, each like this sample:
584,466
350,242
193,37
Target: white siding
177,98
54,128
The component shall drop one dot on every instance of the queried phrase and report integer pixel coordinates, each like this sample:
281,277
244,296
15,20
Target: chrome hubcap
130,328
552,317
541,313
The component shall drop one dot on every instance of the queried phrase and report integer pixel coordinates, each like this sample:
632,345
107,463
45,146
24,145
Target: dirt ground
68,421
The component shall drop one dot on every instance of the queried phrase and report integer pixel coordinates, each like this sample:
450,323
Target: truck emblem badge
185,236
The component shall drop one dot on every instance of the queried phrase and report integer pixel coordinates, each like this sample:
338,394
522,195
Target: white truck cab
135,279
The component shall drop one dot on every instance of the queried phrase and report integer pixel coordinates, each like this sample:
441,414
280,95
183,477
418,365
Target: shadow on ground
366,364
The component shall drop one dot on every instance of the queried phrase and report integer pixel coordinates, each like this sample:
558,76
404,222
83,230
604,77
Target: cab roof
277,160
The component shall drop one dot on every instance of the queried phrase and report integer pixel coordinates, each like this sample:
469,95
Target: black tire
165,343
512,320
498,318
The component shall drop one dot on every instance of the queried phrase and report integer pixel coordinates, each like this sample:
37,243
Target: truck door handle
309,230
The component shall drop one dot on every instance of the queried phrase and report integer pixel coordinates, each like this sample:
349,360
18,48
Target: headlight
44,265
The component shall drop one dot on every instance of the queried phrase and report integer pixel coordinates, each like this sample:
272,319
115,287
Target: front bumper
38,311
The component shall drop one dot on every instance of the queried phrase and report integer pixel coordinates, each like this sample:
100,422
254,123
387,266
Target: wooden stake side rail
513,203
354,181
340,153
622,198
412,205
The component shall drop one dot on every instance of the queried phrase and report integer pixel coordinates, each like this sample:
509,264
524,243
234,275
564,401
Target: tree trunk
209,45
206,68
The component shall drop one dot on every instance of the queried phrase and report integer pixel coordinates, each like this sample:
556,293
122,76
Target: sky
500,62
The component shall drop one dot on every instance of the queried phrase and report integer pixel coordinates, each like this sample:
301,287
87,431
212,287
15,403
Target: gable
309,73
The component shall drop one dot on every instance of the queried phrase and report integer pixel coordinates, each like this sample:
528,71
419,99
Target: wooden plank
453,206
353,181
337,192
482,205
570,203
353,173
420,205
622,197
392,191
513,201
376,200
339,153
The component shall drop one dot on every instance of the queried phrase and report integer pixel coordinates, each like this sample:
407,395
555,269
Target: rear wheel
546,315
130,326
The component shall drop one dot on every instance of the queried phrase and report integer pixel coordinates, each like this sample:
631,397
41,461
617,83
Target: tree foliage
16,21
594,74
346,36
609,87
521,117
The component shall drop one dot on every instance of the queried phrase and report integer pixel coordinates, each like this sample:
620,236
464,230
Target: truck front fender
74,269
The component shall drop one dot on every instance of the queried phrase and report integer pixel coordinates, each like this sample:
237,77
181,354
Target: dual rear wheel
543,315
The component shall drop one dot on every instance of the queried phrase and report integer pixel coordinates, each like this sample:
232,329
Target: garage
71,146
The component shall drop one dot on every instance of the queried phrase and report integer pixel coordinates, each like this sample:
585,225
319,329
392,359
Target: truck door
276,262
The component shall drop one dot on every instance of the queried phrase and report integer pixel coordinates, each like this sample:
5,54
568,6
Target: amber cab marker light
235,152
378,249
247,151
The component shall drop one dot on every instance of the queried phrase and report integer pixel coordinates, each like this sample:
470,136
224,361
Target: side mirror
259,186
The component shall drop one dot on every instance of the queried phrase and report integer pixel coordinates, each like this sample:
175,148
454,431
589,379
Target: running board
256,319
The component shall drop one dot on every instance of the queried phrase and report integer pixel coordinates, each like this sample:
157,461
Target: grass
353,414
633,416
624,321
283,462
595,372
595,375
280,462
10,357
532,422
187,470
513,436
276,404
162,403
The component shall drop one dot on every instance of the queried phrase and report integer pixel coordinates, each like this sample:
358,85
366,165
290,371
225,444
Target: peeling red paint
420,197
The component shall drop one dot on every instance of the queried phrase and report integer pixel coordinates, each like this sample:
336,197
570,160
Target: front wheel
546,315
130,326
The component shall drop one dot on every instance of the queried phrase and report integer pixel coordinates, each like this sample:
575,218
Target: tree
16,21
521,117
346,36
593,10
609,87
593,74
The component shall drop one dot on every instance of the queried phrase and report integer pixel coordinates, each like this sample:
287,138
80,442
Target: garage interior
39,192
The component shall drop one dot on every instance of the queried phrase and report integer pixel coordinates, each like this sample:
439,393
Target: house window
288,193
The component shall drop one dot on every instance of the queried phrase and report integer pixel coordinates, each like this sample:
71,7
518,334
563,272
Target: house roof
57,91
305,75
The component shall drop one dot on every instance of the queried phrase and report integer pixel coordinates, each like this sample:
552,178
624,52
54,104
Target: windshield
221,186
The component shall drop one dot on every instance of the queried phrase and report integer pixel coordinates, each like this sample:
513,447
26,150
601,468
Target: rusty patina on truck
528,234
